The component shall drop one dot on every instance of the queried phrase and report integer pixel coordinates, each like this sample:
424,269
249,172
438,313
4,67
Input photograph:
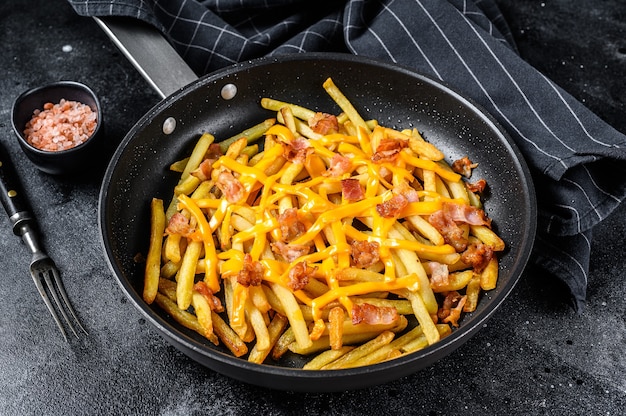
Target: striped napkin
576,159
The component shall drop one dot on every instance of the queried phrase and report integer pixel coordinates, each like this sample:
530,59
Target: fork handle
13,200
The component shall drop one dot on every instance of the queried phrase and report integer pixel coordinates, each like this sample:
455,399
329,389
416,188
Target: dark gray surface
536,356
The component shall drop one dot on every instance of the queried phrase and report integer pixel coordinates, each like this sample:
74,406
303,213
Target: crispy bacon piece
365,253
290,226
407,191
464,166
214,152
351,190
179,224
478,186
251,273
451,232
214,302
439,274
324,124
478,255
203,172
447,219
462,213
373,315
450,311
297,150
388,150
299,275
339,165
392,207
230,186
290,252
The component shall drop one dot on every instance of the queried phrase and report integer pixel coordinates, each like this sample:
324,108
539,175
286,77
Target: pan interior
396,97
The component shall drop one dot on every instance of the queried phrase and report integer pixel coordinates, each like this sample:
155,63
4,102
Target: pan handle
146,48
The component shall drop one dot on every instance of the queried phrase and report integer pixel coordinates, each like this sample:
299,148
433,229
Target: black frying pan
395,96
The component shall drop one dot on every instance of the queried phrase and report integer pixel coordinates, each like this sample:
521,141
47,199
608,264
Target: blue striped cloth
576,159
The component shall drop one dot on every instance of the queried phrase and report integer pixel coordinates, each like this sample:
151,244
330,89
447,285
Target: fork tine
66,301
55,295
46,299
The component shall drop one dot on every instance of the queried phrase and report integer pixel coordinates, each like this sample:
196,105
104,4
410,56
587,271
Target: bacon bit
339,165
392,207
478,255
351,190
179,224
365,253
324,124
299,275
290,226
214,302
214,152
297,150
251,273
374,315
203,171
60,126
451,232
462,213
230,186
478,186
439,275
388,150
407,191
290,252
450,312
464,166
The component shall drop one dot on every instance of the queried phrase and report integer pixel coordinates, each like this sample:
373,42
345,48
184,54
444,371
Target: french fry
487,236
472,292
386,351
275,330
294,314
282,344
349,359
323,343
251,134
423,227
153,259
185,318
186,274
455,281
420,342
489,275
420,146
172,247
347,107
326,357
298,111
258,325
202,310
179,165
423,317
335,327
169,269
228,336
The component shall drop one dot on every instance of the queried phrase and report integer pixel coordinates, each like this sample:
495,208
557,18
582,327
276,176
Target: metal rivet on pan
169,125
229,91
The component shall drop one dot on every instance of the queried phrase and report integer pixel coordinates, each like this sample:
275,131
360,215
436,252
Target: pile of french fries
193,275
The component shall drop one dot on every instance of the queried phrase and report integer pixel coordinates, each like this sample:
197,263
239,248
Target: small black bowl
60,162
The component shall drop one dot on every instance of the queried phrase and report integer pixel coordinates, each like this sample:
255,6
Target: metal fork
43,270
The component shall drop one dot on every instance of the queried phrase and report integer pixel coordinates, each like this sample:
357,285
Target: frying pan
395,96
